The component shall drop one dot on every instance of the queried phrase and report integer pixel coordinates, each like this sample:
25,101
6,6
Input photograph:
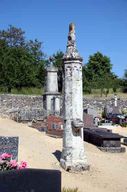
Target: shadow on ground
57,154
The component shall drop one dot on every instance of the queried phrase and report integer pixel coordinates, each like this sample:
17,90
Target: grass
70,190
26,91
39,91
97,94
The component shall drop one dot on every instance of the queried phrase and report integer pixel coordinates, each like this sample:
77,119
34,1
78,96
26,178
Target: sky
101,25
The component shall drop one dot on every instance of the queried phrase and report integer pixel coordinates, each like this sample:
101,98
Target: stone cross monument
73,156
51,97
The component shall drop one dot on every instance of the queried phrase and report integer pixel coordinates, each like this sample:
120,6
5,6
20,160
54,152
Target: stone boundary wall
99,103
27,107
24,107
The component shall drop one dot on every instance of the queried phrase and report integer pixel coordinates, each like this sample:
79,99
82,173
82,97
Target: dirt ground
108,171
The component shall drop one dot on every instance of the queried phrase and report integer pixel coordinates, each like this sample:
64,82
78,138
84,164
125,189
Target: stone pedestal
51,97
73,155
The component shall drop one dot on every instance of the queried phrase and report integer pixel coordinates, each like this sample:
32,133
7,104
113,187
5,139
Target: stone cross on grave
73,154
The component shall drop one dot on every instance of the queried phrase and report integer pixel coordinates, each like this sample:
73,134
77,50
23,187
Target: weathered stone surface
71,51
22,107
10,101
28,114
51,97
99,103
9,145
113,149
11,104
73,155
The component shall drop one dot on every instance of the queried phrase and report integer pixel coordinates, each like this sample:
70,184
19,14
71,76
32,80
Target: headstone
73,156
91,111
88,121
9,145
54,126
30,180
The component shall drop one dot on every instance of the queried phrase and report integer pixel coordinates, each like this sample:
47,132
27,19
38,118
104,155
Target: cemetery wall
29,107
23,107
99,103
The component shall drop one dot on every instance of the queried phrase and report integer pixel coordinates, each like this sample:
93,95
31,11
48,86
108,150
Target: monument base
74,167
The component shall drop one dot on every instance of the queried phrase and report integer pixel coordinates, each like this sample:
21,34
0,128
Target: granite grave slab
30,180
104,140
9,145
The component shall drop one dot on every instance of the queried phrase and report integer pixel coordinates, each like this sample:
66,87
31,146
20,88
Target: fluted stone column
73,154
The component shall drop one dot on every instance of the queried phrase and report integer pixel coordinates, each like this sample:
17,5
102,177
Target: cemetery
59,135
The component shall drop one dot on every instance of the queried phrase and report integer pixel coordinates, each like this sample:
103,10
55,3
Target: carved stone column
73,155
51,97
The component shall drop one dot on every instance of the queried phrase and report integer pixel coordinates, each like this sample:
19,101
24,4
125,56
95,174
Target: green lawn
39,91
96,93
26,91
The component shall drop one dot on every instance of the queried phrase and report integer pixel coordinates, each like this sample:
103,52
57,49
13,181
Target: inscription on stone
9,145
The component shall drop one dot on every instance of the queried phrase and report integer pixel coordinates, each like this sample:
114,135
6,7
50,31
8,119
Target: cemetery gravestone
54,126
30,180
88,121
9,145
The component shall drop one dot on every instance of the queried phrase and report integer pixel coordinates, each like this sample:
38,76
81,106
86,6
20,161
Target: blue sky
101,25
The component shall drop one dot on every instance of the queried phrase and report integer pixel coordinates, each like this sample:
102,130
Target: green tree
87,83
125,82
58,62
38,60
14,37
41,72
98,72
25,75
6,66
34,48
16,69
21,61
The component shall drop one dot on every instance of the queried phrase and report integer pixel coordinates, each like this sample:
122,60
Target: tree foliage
21,61
58,62
14,37
97,74
22,64
125,81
